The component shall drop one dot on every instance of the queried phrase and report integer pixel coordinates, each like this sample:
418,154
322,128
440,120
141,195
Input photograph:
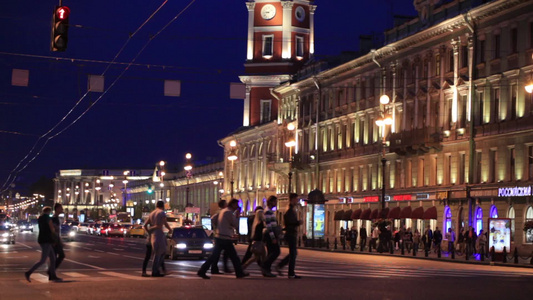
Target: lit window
479,220
447,218
493,212
265,111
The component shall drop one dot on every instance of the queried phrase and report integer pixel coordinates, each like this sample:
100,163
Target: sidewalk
445,257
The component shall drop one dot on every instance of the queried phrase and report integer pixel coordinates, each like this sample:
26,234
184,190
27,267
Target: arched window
493,212
529,232
447,218
511,215
479,219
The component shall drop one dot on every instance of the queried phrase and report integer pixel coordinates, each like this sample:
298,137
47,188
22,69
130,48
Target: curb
457,261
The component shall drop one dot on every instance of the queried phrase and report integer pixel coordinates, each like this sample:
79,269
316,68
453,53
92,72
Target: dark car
7,235
68,233
189,242
25,226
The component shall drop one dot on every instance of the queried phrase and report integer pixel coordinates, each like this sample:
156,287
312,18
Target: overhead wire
13,174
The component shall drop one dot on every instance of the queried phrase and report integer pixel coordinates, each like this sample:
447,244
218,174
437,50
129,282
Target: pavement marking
39,277
112,253
86,248
19,243
98,250
75,274
84,264
92,256
118,249
9,252
125,276
134,257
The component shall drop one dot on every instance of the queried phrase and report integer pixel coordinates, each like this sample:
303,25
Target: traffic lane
380,261
279,288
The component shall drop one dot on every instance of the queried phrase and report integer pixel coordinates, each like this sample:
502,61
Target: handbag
258,248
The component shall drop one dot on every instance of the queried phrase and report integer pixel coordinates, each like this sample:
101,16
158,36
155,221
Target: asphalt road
110,268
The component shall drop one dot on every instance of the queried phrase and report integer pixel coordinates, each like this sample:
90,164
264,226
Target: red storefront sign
401,197
371,199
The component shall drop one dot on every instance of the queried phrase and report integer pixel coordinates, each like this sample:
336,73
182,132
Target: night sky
134,125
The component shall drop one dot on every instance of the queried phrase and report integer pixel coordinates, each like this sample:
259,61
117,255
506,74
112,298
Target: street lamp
382,123
188,168
232,157
97,189
291,143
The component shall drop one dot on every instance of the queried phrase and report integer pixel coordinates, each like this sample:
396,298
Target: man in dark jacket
362,236
291,236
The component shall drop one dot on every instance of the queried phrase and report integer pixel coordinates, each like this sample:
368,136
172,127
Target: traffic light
150,189
60,28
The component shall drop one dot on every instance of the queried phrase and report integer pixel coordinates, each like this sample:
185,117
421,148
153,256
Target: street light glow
384,99
290,143
529,87
291,127
188,156
162,163
233,143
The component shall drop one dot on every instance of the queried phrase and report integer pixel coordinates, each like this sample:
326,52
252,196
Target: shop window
511,215
447,219
493,212
529,218
479,220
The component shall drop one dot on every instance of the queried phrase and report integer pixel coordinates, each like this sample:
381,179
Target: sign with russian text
401,197
514,191
500,234
371,199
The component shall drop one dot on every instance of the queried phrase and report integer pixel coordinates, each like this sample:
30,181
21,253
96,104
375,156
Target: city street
98,267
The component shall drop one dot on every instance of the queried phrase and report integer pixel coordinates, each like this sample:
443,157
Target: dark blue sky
134,125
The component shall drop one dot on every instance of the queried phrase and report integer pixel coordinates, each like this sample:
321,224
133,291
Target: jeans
60,254
291,257
273,253
227,246
147,258
47,250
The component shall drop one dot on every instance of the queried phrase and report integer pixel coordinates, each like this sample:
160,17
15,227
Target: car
102,230
7,234
83,227
137,231
25,226
93,229
115,230
68,233
189,241
127,228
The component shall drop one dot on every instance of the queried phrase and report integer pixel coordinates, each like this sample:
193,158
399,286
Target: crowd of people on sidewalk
383,239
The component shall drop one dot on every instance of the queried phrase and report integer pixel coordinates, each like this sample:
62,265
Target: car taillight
121,229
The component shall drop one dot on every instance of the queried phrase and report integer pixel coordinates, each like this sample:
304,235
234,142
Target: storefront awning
384,213
338,215
418,213
406,213
394,213
374,215
365,215
347,216
430,213
356,214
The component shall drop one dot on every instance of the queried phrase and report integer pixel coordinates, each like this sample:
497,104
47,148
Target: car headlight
208,246
72,233
5,234
181,246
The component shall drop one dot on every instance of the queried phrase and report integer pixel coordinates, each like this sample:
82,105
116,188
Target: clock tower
280,41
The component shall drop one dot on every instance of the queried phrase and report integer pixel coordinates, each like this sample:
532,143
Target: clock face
268,11
299,13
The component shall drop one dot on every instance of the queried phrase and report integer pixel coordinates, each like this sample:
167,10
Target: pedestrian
58,245
272,236
374,237
148,254
291,236
343,237
482,242
460,241
214,223
408,240
227,223
428,238
473,239
437,239
158,219
353,237
258,246
416,240
396,239
362,236
250,222
46,240
450,236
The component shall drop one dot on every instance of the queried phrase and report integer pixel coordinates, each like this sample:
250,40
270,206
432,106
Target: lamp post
291,143
162,176
188,168
97,189
232,157
382,123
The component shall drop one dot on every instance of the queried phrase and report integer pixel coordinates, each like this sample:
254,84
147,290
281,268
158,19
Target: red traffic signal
62,12
59,37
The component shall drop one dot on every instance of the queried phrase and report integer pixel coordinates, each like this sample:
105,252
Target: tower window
268,46
265,111
299,47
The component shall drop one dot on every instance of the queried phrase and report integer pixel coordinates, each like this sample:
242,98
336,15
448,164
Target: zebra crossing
306,271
